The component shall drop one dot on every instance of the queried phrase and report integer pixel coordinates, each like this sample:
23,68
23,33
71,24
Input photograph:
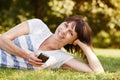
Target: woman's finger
39,63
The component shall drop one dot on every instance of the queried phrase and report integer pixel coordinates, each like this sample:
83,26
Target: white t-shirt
38,33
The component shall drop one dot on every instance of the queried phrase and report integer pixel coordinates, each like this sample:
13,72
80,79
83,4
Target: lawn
110,59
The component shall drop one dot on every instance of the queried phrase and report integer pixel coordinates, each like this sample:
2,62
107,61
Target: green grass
110,59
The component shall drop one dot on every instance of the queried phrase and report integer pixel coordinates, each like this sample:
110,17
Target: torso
32,42
48,45
44,46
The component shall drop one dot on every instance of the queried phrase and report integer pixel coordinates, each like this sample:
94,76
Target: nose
64,31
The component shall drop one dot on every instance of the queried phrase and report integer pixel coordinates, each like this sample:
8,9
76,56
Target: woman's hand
80,44
75,42
93,62
33,60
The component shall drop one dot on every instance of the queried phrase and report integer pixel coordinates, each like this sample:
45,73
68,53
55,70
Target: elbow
96,69
99,70
3,40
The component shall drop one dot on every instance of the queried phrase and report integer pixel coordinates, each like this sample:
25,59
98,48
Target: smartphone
43,57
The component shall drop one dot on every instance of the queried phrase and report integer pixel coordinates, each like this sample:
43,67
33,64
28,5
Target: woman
21,45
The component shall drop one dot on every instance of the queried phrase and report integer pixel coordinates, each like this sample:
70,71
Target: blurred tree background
102,15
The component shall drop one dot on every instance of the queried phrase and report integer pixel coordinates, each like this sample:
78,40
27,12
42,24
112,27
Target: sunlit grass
110,58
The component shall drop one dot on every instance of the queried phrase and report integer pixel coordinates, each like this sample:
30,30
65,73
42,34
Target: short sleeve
38,32
36,26
61,57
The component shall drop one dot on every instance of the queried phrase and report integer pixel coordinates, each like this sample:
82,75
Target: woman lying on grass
21,46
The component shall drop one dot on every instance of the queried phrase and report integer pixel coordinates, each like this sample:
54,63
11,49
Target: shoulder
35,21
37,25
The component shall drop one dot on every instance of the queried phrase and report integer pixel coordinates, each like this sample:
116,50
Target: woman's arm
6,40
7,44
93,65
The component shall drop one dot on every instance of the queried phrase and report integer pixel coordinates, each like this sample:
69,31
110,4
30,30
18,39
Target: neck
51,44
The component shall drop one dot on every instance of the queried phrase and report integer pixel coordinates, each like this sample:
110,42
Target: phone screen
43,57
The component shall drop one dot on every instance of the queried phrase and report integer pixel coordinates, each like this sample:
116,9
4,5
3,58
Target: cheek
74,38
71,39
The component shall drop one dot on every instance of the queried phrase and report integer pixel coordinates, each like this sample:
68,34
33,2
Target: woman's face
65,33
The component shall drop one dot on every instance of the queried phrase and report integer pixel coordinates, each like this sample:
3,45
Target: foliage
13,12
102,15
109,58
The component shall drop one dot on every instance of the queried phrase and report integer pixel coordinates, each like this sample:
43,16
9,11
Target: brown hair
83,33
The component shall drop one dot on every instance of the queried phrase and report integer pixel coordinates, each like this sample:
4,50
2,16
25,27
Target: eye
71,33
